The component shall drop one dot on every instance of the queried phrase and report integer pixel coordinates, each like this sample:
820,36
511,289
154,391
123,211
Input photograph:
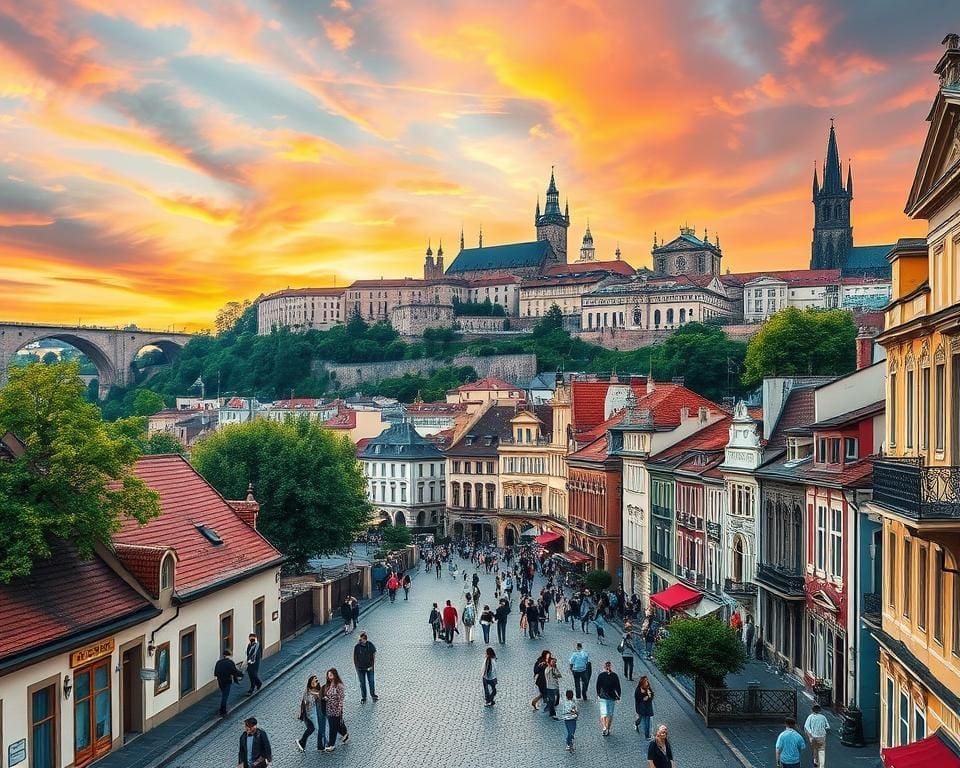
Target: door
92,712
132,695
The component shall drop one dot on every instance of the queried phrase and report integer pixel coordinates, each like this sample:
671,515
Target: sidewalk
164,742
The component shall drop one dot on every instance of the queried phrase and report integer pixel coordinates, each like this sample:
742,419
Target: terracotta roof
486,384
187,501
593,451
711,438
301,403
303,292
362,443
798,411
499,279
442,407
797,277
581,279
588,397
404,282
143,562
64,597
346,418
859,475
612,266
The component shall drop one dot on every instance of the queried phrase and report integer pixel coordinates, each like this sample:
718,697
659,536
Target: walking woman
486,619
660,753
539,678
406,586
561,608
523,617
569,714
627,650
497,587
310,713
489,678
434,621
643,701
334,694
552,678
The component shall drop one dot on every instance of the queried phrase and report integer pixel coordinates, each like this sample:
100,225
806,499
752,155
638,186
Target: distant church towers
552,225
433,270
832,231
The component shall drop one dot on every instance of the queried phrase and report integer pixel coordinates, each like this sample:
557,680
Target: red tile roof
441,407
614,266
498,279
667,400
62,597
593,451
304,292
543,282
301,403
797,277
588,398
362,443
487,384
186,501
346,418
143,562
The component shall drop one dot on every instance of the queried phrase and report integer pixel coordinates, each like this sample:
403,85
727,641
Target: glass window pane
101,677
81,685
81,718
103,714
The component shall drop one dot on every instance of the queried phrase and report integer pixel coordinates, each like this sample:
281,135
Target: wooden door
131,697
92,712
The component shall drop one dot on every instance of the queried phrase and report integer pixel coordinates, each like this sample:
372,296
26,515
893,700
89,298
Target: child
569,714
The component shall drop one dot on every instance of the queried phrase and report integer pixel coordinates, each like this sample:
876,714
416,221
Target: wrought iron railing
781,579
713,531
659,510
732,587
872,608
664,561
918,491
722,706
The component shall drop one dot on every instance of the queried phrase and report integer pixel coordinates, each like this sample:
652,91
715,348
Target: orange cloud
339,34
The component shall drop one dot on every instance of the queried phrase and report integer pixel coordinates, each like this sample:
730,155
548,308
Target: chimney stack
865,347
248,509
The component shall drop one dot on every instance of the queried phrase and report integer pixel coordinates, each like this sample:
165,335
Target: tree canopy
802,342
396,536
74,481
307,479
597,580
706,648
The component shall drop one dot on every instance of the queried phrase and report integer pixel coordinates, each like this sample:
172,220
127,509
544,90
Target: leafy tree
229,315
308,481
146,403
597,580
705,648
705,357
396,536
550,322
74,480
802,342
162,442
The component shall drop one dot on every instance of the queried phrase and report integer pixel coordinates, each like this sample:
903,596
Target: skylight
209,534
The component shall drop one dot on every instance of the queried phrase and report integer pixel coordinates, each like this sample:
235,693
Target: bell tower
832,231
551,224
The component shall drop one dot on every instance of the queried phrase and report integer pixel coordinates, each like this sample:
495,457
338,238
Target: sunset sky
162,157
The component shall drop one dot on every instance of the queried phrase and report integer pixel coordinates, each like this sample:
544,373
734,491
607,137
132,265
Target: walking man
255,749
816,727
254,654
578,666
503,610
227,674
569,714
608,692
450,618
364,657
789,745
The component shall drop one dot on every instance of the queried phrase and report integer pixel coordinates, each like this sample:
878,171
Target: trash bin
851,729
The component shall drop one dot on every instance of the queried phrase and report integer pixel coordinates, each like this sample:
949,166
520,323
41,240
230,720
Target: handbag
303,711
621,646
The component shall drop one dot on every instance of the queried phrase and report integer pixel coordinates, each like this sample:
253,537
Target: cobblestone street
431,712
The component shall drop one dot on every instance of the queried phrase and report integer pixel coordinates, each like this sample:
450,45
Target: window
892,403
490,469
834,450
919,723
478,468
851,449
161,664
888,741
456,466
908,403
820,544
836,542
43,728
924,408
922,587
226,631
907,575
209,534
822,450
904,718
891,567
940,408
258,620
166,573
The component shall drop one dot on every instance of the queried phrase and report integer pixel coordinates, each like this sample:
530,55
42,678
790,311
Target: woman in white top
489,678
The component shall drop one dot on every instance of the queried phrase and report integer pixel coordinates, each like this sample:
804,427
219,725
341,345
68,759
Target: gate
346,584
736,706
296,613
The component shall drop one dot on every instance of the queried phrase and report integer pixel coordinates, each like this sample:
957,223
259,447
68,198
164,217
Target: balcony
872,609
784,581
739,588
659,510
690,576
633,555
919,492
713,531
661,560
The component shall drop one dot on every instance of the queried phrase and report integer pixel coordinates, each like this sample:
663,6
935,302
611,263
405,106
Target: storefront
93,696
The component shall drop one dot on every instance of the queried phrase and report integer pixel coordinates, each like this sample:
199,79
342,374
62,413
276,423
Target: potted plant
823,692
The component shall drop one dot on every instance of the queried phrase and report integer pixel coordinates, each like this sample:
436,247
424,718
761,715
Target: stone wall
623,340
473,324
516,369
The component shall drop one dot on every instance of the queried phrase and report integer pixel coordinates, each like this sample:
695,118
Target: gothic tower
832,231
587,250
428,267
552,225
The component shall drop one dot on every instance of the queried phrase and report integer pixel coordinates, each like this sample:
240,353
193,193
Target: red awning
548,537
676,597
577,558
920,754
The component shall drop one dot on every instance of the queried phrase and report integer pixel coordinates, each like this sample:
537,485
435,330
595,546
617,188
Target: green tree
50,358
308,481
550,322
597,580
705,648
702,355
162,442
229,315
396,536
802,342
74,480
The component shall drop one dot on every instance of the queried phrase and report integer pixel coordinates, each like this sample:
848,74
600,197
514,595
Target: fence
753,704
315,598
296,613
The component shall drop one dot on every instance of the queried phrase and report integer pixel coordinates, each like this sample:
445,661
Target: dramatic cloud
158,159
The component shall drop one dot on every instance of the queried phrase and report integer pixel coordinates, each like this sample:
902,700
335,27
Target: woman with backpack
486,620
468,616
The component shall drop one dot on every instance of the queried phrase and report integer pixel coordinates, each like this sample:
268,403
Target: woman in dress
643,702
334,695
310,713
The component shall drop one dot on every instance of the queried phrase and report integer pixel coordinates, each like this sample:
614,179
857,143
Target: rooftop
501,257
400,441
303,292
487,384
616,267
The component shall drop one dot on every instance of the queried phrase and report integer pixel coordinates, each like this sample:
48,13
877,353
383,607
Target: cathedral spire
552,188
849,178
537,214
440,248
461,237
430,247
832,180
816,182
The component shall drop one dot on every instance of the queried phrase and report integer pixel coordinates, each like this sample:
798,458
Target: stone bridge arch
111,350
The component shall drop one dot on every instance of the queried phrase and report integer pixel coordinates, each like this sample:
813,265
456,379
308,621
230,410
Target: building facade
687,254
300,309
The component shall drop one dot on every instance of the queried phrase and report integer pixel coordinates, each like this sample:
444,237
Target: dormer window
798,449
851,449
166,572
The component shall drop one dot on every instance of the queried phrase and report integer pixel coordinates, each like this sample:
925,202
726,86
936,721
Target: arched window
455,494
636,315
166,572
738,559
656,318
669,317
683,316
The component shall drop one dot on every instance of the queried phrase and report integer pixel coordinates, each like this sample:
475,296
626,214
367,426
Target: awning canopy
528,532
548,537
577,558
702,608
676,597
929,751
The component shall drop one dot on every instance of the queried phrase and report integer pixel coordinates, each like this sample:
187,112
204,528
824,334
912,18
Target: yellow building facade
917,481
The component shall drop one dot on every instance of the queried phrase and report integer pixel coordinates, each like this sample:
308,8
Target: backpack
469,614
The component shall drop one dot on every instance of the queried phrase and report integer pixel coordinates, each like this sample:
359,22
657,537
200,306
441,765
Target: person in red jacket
393,584
450,618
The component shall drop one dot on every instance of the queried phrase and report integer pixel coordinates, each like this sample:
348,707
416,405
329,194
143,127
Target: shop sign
16,752
92,652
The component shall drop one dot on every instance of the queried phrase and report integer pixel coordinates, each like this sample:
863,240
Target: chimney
248,509
865,347
684,413
702,414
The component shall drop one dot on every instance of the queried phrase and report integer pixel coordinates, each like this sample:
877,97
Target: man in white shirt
816,727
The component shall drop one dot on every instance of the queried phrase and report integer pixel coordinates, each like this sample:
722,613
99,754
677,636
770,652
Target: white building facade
300,309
